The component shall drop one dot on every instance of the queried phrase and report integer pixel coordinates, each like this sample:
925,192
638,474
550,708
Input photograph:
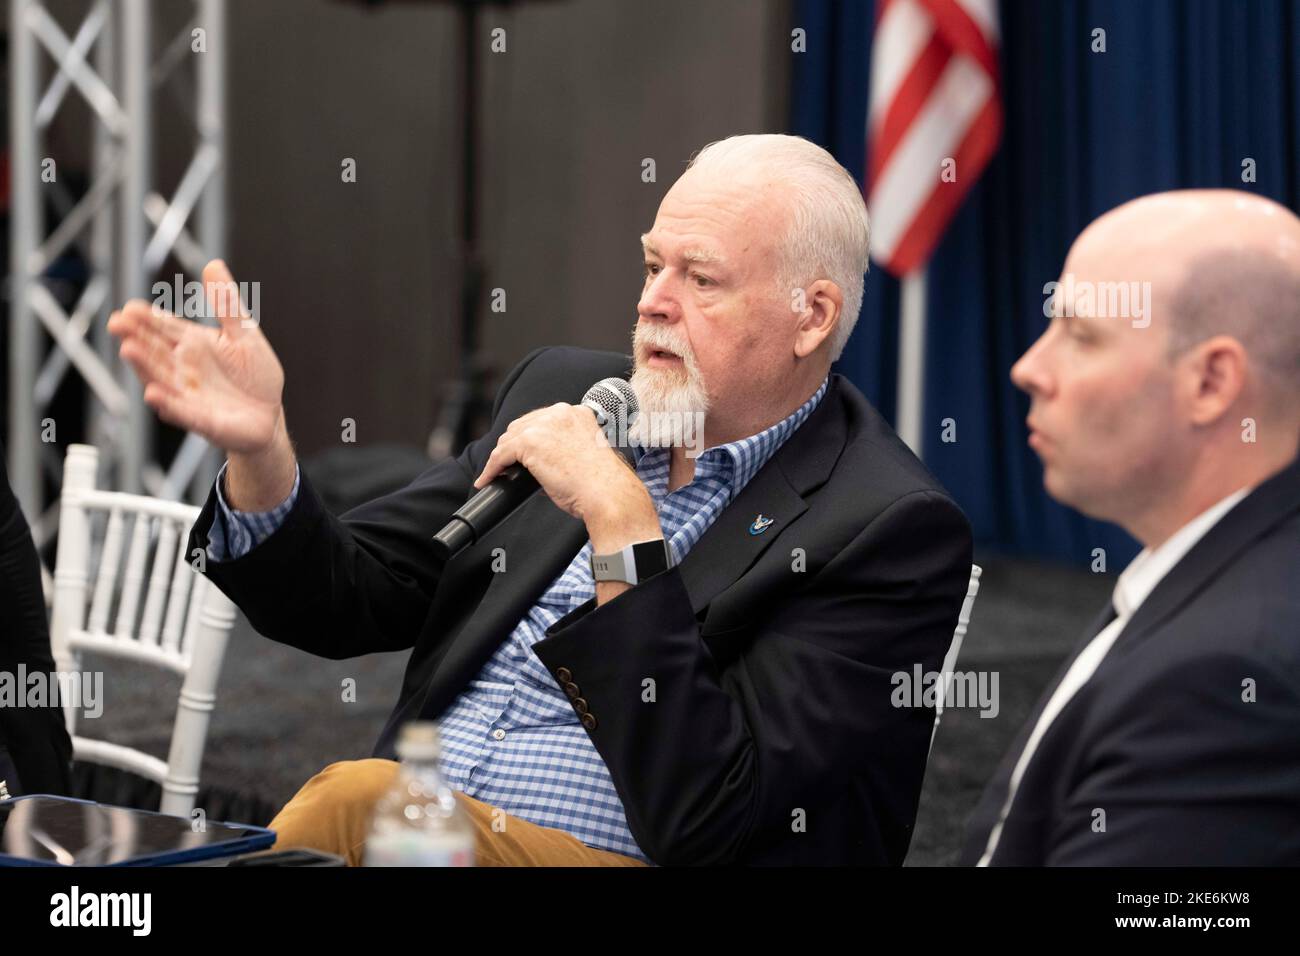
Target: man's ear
1216,371
822,303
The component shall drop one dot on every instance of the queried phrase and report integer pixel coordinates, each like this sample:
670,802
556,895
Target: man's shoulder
874,461
556,373
1249,608
1241,621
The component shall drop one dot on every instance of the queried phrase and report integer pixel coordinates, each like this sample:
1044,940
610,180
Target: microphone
608,399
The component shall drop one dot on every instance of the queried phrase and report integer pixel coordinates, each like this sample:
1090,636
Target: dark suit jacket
772,685
1160,738
36,737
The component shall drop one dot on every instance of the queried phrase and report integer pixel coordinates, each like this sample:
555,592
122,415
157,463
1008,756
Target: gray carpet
281,715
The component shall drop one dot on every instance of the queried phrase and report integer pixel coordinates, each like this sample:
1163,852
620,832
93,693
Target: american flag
934,97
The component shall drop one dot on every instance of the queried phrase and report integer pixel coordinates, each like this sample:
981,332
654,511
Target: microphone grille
611,394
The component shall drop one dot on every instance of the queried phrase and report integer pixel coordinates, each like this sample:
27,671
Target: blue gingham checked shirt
512,739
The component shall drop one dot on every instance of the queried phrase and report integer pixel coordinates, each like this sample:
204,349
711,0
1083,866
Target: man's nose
658,301
1030,373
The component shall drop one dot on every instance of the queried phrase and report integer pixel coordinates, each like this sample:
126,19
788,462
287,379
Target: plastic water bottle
418,821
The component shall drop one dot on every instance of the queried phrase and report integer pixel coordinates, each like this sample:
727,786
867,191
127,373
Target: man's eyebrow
692,254
696,254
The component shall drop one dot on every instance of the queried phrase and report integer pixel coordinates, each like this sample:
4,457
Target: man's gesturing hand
566,451
224,383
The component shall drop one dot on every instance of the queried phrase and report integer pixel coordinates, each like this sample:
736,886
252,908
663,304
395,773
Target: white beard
672,406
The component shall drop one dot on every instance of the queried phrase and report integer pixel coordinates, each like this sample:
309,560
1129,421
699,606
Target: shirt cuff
235,533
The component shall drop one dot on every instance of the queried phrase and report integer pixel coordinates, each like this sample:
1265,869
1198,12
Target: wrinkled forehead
706,218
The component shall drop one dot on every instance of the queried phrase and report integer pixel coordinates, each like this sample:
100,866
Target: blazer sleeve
341,587
1188,771
720,760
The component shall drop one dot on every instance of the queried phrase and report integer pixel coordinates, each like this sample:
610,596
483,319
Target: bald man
1166,398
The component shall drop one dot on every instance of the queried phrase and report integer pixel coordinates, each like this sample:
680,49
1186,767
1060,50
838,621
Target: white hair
829,233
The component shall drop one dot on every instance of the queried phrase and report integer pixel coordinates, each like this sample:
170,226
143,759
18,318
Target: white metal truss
123,227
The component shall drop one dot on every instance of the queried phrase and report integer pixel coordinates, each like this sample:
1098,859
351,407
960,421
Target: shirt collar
738,461
1148,569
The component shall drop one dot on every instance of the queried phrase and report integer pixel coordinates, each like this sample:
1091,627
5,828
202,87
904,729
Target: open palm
224,383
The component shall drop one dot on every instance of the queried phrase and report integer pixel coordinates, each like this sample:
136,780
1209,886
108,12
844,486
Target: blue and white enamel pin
760,524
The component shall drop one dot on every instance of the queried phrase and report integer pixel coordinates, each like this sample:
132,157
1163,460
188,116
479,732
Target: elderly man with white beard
726,696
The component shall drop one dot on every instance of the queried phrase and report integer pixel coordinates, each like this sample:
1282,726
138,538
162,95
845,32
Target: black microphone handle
488,508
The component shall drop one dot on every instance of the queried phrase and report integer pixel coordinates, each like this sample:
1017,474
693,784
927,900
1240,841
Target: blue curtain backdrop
1186,90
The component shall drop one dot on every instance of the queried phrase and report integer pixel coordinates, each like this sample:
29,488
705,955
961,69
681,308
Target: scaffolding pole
124,228
24,236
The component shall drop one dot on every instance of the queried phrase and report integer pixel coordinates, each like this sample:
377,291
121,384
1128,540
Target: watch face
634,563
651,558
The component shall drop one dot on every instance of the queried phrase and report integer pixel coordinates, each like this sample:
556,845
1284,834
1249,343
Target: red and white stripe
934,96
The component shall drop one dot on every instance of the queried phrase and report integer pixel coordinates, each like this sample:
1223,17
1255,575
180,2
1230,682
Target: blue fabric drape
1185,92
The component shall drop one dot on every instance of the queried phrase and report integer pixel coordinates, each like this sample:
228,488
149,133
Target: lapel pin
760,524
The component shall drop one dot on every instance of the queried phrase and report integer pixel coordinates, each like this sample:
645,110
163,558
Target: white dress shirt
1137,581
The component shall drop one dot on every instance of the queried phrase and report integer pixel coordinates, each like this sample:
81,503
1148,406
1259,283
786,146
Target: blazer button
563,675
589,721
580,705
571,691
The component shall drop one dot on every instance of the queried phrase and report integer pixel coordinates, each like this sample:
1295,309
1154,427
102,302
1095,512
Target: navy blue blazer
1187,737
773,738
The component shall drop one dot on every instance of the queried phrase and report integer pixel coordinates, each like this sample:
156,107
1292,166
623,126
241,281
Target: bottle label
416,849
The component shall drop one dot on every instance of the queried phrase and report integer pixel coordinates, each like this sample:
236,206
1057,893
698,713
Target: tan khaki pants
332,813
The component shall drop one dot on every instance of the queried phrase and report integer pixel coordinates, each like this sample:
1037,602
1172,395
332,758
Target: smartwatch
634,563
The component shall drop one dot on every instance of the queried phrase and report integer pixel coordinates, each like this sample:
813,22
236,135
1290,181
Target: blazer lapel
539,540
1269,504
728,548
